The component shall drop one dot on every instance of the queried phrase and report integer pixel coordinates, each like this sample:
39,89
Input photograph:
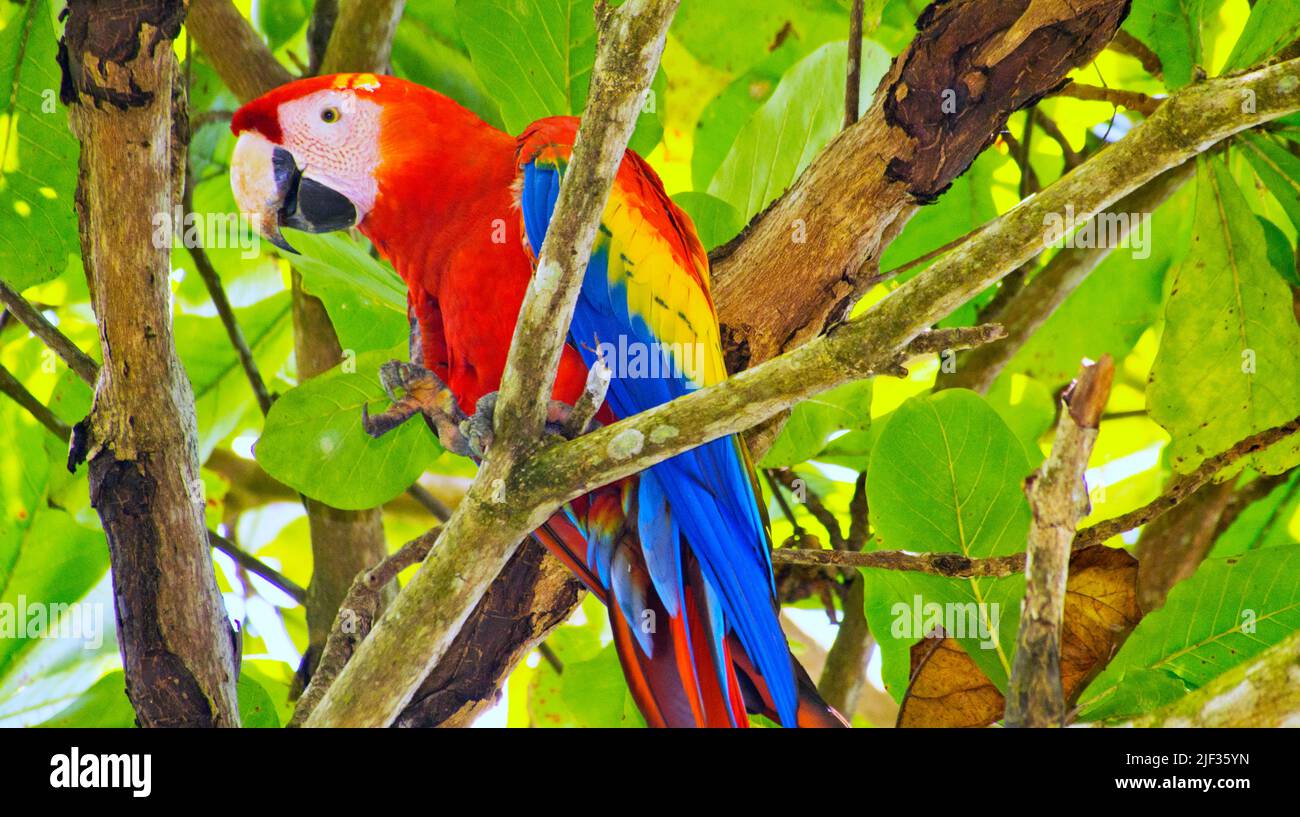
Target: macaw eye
329,115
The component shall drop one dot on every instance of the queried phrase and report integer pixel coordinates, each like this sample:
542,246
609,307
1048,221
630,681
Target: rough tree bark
1058,498
128,110
945,99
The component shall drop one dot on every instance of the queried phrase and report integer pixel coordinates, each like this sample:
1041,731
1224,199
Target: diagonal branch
80,362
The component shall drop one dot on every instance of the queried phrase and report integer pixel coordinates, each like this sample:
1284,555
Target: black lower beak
306,204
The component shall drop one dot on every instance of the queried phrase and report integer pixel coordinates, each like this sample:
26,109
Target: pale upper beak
271,188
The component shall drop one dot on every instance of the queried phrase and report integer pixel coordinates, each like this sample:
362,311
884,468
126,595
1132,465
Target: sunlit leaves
1172,28
1231,347
806,432
1232,609
1271,25
38,155
314,441
791,127
535,58
945,476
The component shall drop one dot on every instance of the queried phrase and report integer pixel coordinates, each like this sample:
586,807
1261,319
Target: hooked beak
269,185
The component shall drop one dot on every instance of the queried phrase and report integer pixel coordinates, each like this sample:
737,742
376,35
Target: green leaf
38,154
1279,170
791,127
222,394
716,222
1231,610
945,476
1172,28
1265,522
314,442
733,35
596,694
280,20
103,706
1127,289
805,433
256,709
1271,25
1231,347
427,52
535,58
365,298
723,118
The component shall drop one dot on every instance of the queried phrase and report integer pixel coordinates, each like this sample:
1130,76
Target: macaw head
309,153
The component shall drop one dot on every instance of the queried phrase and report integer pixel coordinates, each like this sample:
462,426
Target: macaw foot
416,390
563,421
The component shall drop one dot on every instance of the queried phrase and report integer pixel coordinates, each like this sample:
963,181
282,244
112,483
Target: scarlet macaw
460,209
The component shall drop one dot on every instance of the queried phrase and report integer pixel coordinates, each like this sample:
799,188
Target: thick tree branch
240,57
362,37
121,82
1058,497
945,99
474,546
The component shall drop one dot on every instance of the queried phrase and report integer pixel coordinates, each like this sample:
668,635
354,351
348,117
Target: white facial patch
334,138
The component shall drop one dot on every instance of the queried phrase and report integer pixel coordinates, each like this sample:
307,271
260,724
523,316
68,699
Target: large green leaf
945,476
314,441
535,58
103,706
805,433
716,222
38,155
1172,28
1279,170
1231,610
791,127
1127,289
1272,24
428,49
365,298
1231,348
734,35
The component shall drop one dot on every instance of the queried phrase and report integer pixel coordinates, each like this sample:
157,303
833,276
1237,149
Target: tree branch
1133,100
1027,310
945,99
362,37
80,362
1058,497
257,567
16,391
1183,487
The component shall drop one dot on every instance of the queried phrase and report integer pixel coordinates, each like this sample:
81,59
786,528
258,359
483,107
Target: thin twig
212,281
1182,488
430,502
951,565
1054,132
355,617
77,360
257,567
813,503
18,392
1133,100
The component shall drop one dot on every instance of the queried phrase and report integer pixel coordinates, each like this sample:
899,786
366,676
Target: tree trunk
128,110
